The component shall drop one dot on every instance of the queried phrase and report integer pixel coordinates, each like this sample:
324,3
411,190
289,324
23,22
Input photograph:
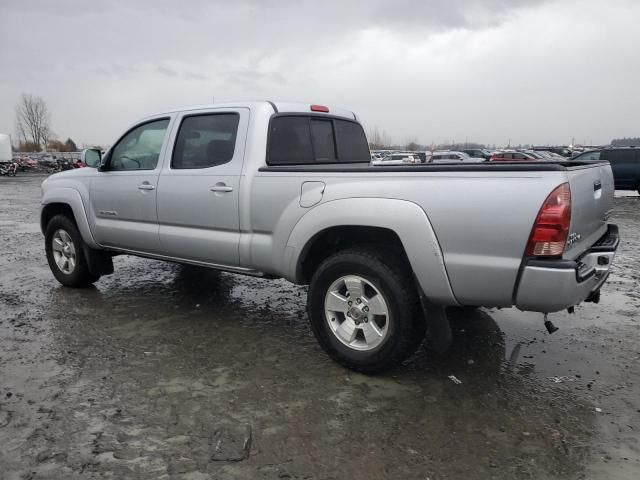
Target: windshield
592,155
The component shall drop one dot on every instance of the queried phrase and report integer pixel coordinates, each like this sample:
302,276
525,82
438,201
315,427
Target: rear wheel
364,310
65,255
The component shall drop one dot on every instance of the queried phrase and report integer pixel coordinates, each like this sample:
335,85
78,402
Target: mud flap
438,326
99,262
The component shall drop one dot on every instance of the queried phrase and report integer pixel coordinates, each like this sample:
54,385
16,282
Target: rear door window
205,141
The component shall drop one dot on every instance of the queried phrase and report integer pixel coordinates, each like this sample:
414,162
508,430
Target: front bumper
553,285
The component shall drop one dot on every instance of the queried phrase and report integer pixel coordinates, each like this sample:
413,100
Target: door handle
221,187
146,186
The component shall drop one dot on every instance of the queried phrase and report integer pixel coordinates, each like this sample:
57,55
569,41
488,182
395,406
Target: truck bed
481,213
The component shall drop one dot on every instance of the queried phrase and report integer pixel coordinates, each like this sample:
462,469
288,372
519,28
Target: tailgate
591,201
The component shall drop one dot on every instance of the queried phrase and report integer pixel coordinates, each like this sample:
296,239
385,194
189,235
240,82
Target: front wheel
64,248
364,309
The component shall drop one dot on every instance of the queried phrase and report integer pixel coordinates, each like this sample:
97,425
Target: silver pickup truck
285,190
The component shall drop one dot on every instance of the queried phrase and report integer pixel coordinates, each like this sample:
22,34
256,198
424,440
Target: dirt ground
168,372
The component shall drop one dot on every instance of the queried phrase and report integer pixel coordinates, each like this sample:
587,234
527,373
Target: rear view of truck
571,246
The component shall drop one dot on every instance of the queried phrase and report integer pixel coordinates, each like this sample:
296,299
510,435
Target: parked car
588,155
447,156
10,169
542,156
550,155
397,159
625,164
425,157
512,156
562,151
27,163
48,161
478,153
284,190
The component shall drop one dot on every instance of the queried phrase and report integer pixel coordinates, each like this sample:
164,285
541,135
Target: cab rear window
313,139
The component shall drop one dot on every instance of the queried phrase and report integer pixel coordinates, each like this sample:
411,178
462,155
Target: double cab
286,190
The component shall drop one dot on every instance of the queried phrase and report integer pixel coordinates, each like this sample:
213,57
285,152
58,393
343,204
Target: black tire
79,276
391,275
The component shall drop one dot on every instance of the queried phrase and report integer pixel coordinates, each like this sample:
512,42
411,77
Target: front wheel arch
80,275
50,210
98,261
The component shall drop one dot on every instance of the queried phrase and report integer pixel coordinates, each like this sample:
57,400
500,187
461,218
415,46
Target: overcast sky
430,70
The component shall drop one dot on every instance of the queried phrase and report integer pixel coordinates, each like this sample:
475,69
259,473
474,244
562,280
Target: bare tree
378,140
47,135
375,139
387,141
412,144
32,120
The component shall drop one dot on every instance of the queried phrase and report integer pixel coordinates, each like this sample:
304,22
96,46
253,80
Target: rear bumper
552,285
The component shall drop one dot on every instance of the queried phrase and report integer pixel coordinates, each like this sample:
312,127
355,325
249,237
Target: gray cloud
488,70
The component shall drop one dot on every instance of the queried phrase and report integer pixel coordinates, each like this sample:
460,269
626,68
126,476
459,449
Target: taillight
319,108
549,234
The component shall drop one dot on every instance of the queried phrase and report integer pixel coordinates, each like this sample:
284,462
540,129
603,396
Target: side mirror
92,157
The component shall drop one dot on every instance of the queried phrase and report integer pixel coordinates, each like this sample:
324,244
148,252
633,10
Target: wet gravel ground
168,372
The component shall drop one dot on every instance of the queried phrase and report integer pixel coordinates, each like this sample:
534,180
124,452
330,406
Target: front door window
140,148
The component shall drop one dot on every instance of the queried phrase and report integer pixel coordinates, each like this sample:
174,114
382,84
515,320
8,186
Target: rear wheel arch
400,223
343,237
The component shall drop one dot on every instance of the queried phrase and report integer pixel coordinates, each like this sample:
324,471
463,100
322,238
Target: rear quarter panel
481,221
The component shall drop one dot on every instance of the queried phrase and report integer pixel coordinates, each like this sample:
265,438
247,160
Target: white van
6,155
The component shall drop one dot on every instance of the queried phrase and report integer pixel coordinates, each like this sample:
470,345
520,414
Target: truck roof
278,107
